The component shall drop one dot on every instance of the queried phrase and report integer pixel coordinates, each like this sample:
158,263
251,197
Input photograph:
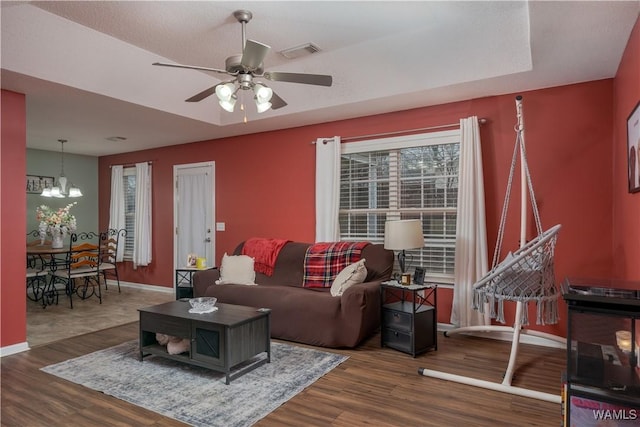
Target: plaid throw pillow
323,261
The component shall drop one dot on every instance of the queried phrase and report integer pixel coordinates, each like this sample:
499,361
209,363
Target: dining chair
37,270
110,244
81,274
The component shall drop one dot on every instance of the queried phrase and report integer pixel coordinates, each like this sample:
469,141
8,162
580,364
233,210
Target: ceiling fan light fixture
228,104
249,65
263,93
225,91
262,106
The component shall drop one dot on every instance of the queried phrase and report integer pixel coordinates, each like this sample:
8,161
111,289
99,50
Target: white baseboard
505,336
20,347
13,349
111,282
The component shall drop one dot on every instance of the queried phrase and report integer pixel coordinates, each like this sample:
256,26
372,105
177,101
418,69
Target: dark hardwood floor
376,387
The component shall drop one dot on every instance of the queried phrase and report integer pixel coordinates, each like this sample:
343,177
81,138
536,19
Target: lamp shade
263,93
262,106
225,91
228,104
75,192
403,234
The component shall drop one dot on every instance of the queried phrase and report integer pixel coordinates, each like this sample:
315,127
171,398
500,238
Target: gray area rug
194,395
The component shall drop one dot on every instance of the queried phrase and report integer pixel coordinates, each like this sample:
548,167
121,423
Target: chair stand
505,386
491,385
525,276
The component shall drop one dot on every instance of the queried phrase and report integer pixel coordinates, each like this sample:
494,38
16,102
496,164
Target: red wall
13,217
576,139
265,182
626,206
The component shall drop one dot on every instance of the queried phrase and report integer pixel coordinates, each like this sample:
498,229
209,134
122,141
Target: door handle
208,239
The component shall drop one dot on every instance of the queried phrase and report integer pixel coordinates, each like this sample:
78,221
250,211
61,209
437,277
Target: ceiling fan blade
202,95
253,54
277,102
193,67
308,79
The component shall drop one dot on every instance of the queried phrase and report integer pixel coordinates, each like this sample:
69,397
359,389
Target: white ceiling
85,66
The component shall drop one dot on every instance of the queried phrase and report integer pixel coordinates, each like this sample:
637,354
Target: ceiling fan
244,69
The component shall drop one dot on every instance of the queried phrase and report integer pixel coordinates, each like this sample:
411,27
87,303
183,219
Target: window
411,177
129,185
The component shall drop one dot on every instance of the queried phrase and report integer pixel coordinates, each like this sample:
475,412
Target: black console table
603,334
184,281
409,322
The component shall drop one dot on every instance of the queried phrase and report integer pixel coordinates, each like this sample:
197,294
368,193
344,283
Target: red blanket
323,261
264,252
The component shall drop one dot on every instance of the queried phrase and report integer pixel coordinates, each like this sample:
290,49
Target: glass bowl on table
203,304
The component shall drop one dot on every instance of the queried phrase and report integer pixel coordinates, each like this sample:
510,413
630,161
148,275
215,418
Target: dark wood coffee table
220,340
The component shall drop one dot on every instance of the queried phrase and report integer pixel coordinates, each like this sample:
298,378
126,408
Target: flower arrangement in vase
55,222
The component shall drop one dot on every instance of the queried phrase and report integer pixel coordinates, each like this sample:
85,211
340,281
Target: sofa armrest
203,279
362,290
360,304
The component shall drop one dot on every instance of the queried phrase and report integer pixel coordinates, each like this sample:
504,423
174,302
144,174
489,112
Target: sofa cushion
352,274
236,270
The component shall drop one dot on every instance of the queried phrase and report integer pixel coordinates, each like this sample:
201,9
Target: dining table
50,256
45,249
50,259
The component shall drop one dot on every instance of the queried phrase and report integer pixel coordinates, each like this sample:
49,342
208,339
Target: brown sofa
308,315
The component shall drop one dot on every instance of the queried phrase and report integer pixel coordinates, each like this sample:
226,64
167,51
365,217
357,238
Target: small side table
184,281
409,320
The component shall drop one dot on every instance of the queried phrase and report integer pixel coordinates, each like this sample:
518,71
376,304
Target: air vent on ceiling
116,138
298,51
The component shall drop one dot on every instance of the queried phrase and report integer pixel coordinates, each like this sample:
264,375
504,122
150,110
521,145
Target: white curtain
471,230
142,238
327,189
192,216
116,207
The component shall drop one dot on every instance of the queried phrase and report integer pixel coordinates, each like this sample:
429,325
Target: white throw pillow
236,270
351,275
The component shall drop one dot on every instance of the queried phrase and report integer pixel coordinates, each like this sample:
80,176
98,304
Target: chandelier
59,188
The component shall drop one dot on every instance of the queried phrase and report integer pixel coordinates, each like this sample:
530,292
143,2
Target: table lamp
401,235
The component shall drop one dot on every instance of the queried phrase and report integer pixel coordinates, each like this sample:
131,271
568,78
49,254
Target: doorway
194,208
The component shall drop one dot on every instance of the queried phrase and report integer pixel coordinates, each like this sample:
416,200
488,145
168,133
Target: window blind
416,181
129,184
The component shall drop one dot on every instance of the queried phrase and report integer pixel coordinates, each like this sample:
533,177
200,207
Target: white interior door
194,211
